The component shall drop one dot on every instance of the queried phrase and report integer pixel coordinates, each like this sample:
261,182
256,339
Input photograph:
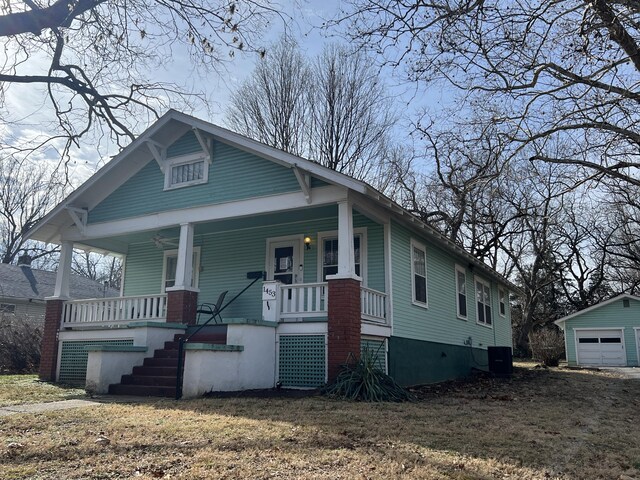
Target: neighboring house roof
23,282
169,128
560,322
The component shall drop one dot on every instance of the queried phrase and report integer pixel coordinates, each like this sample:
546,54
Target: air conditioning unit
500,360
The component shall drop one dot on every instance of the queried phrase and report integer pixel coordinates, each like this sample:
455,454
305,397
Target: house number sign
268,292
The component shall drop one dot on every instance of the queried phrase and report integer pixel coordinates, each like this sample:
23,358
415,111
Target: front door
284,261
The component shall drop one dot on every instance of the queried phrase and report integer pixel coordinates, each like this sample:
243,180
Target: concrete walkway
46,407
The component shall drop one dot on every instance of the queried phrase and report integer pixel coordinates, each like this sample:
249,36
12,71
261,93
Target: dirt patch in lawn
540,424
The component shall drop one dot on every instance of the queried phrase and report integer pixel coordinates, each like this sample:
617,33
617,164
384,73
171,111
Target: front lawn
542,424
17,389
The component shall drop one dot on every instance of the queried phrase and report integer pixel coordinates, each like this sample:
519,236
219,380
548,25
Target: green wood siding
226,257
233,175
143,269
416,362
439,322
613,315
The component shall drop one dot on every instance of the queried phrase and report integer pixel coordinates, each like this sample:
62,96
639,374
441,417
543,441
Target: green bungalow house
605,334
197,210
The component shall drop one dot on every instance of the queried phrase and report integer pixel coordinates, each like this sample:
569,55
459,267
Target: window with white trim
186,170
169,268
328,262
461,292
502,301
483,302
419,273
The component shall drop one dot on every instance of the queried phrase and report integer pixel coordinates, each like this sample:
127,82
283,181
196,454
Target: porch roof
170,127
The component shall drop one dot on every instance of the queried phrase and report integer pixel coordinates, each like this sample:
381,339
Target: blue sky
306,18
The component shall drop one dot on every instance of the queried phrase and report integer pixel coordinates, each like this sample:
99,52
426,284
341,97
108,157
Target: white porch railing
114,310
303,300
373,305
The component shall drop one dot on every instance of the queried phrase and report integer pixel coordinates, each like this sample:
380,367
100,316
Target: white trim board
206,213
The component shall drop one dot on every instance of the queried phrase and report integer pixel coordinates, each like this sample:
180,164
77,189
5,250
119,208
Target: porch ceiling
119,243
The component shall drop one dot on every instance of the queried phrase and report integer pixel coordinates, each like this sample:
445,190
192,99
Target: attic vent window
185,171
625,303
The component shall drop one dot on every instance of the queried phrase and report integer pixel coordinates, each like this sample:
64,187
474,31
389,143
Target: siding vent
625,302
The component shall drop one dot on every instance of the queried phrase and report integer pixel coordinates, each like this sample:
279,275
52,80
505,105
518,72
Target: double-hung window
483,302
171,263
329,253
502,299
419,274
461,292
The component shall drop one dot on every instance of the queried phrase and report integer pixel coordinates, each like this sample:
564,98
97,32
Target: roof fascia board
595,307
105,170
273,154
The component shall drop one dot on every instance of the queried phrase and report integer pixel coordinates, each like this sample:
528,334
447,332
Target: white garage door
600,347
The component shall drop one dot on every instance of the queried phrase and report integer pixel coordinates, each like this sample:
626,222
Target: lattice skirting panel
377,348
302,361
73,359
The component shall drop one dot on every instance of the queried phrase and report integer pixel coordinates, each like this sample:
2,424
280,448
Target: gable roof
171,126
560,322
23,282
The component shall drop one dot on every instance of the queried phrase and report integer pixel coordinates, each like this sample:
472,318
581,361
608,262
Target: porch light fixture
307,242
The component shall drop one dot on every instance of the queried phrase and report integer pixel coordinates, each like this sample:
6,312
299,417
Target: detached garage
606,334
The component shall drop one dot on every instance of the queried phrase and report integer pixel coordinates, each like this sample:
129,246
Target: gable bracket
79,217
158,152
305,182
206,146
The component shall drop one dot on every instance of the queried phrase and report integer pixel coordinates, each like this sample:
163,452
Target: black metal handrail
259,275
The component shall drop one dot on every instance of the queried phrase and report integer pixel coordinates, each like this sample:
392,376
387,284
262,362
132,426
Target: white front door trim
297,241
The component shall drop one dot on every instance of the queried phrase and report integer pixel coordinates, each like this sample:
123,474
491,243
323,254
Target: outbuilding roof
560,321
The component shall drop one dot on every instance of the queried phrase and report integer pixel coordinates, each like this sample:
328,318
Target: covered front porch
322,297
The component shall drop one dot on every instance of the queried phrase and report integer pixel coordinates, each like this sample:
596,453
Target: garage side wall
613,315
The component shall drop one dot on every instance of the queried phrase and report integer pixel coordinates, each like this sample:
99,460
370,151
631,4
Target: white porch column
184,265
346,255
64,271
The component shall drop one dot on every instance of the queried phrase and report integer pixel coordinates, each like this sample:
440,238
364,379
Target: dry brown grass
17,389
542,424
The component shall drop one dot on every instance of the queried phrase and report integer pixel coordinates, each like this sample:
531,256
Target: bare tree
95,61
543,71
101,268
351,113
27,191
334,110
273,105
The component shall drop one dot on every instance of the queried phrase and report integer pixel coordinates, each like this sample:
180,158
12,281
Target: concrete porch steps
156,377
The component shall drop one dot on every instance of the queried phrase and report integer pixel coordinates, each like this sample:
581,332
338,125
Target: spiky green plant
363,380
